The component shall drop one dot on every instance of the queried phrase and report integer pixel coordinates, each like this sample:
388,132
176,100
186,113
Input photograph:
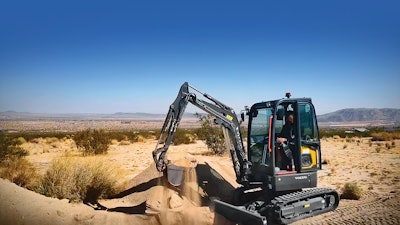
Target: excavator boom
225,116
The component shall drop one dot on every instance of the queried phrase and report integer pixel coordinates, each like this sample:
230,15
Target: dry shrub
139,138
125,142
114,142
372,174
336,137
80,179
20,140
19,171
10,149
385,136
326,161
51,140
182,136
92,142
351,191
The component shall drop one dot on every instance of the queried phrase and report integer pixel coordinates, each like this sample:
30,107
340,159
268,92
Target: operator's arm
283,136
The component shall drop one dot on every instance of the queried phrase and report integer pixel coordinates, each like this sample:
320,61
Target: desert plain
147,199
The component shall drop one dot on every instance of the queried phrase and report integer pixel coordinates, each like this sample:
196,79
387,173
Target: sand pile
182,204
151,195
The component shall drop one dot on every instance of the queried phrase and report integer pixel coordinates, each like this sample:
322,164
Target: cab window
308,124
259,133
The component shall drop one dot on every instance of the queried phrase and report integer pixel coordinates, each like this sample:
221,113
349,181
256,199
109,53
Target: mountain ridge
361,115
342,115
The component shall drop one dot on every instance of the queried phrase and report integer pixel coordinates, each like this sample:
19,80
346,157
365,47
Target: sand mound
152,196
21,206
150,201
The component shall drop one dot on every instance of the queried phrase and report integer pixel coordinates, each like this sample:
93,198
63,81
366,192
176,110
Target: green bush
92,142
9,148
80,179
183,136
211,134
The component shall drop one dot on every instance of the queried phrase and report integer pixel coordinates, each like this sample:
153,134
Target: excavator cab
289,165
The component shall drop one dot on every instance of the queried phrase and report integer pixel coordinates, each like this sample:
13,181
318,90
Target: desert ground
148,199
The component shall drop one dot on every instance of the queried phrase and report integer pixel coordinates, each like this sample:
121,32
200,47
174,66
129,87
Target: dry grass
80,179
351,191
19,171
385,136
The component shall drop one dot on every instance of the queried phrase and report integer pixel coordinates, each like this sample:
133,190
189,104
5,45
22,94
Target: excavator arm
225,116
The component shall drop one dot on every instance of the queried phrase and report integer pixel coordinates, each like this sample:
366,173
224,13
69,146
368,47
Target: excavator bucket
176,171
238,214
175,174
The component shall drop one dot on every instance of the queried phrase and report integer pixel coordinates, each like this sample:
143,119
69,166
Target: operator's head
291,117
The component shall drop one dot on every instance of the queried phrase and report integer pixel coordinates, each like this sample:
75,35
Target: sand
150,200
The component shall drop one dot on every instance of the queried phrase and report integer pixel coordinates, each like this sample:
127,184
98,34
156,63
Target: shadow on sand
213,185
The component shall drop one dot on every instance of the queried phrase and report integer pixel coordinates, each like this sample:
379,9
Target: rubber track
280,201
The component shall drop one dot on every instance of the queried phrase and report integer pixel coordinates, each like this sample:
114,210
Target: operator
286,138
287,133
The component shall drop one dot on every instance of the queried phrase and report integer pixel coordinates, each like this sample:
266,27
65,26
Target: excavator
278,179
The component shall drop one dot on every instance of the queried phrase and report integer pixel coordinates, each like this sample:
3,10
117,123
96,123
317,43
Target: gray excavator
277,174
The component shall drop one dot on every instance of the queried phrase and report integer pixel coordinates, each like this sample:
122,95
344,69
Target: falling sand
182,204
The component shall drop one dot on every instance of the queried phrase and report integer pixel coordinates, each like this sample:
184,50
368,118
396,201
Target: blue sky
132,56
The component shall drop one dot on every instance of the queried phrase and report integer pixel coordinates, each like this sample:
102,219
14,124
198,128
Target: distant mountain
133,115
12,115
345,115
361,114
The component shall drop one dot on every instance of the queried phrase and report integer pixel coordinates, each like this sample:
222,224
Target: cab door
310,146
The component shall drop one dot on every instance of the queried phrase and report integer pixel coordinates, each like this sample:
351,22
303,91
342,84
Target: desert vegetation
211,134
92,142
83,174
351,191
9,148
71,177
377,133
92,164
80,179
13,165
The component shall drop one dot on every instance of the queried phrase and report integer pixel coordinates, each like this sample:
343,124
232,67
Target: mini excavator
278,179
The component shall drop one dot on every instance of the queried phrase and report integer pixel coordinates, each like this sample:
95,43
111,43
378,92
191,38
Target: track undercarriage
282,209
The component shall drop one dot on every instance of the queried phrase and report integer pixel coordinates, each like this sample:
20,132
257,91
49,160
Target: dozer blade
238,214
175,174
